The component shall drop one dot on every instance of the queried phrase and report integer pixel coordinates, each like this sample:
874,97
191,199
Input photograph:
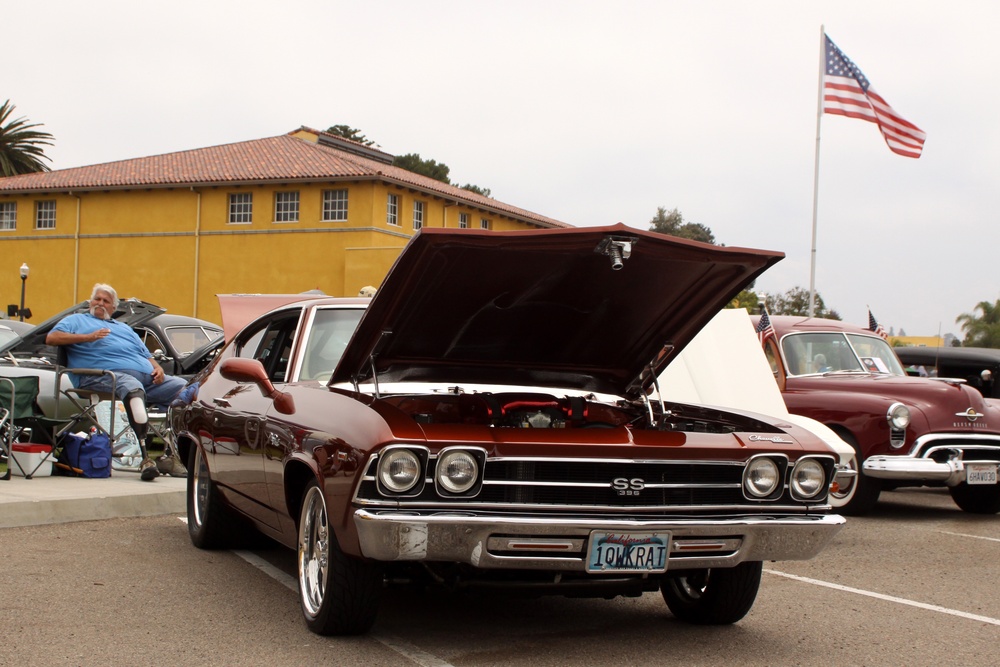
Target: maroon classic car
907,431
485,421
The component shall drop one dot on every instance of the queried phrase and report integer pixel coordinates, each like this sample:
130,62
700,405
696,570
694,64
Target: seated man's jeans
128,380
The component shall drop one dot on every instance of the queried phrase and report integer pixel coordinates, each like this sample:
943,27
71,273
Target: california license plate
980,473
628,552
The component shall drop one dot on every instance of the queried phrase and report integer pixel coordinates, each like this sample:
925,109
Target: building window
286,206
335,205
241,208
463,220
484,223
418,214
392,210
8,215
45,214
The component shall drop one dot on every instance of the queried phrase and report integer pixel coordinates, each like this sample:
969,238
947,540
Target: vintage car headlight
898,416
761,477
399,470
457,471
808,479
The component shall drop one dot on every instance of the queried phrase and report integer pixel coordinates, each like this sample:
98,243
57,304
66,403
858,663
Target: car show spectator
95,340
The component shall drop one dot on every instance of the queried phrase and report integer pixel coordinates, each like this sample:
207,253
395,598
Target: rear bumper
560,544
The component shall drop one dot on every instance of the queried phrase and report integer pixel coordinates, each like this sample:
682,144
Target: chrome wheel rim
314,552
199,487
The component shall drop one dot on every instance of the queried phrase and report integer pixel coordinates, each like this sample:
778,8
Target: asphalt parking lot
912,584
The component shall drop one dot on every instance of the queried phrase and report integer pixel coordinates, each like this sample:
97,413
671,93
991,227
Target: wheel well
297,475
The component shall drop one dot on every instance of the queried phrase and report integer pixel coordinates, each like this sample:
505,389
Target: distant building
296,212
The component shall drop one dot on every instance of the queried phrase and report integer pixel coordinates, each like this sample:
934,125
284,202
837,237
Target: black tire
211,525
717,596
976,499
339,594
863,495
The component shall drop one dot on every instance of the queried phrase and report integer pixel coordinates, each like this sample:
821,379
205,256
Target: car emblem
628,487
769,438
970,414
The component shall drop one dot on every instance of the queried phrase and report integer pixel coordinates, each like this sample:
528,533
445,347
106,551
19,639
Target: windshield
331,330
813,353
6,335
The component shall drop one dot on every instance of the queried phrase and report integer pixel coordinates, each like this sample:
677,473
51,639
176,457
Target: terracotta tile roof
281,158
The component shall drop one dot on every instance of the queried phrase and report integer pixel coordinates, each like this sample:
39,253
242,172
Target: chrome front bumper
918,465
560,544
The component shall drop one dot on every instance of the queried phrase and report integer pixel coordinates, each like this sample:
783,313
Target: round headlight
761,477
399,470
898,416
808,478
457,471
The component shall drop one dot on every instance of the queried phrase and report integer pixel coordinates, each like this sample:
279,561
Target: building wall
175,247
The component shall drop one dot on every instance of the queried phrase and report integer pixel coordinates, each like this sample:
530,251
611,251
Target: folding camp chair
20,416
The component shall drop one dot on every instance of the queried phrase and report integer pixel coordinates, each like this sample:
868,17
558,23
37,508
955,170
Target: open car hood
552,308
130,311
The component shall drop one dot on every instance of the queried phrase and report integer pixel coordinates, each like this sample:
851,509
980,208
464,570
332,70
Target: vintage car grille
572,483
940,446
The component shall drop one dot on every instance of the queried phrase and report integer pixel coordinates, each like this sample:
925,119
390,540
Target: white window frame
484,223
240,208
45,214
286,206
8,215
392,210
418,214
463,220
335,205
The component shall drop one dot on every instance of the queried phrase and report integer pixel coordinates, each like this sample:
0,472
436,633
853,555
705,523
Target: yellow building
302,211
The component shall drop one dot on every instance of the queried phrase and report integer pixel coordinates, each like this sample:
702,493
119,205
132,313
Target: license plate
628,552
980,473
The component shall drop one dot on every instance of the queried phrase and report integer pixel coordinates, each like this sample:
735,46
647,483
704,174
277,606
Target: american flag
764,329
873,325
846,92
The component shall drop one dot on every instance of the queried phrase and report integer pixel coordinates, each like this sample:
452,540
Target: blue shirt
122,349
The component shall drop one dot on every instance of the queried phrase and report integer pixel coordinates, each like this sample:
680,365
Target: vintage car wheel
716,596
211,524
340,595
863,494
976,499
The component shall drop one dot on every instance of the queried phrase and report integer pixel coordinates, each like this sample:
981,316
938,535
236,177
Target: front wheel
860,497
211,524
340,595
716,596
976,499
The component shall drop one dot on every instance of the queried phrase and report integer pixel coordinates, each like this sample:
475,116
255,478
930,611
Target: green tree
672,223
21,149
430,168
348,132
982,330
478,190
796,302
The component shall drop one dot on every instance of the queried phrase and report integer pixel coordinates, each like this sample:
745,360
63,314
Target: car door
239,428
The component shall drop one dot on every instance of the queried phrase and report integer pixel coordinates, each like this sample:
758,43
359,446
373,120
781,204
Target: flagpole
819,116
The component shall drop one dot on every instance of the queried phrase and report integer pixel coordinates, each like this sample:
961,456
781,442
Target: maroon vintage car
907,431
485,421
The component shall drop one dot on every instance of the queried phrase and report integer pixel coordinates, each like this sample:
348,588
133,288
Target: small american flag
873,325
846,92
764,329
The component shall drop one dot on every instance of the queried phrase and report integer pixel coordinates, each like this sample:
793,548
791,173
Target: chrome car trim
472,539
923,461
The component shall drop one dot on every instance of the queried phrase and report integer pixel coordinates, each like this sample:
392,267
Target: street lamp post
24,280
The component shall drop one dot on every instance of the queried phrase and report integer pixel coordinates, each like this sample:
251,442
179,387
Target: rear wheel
211,524
976,499
340,594
717,596
861,496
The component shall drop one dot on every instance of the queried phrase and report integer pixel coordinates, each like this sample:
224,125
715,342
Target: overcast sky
588,112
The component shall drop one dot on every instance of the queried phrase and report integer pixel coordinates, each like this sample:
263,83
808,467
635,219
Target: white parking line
889,598
398,645
975,537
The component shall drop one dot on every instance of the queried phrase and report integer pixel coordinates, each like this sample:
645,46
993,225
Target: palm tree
20,146
982,331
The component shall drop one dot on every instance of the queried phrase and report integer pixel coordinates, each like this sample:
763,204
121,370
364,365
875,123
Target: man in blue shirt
95,340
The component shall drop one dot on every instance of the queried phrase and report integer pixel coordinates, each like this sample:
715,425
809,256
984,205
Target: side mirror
252,371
